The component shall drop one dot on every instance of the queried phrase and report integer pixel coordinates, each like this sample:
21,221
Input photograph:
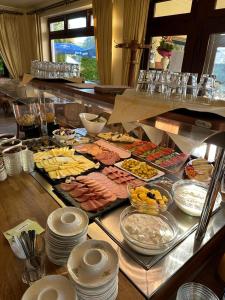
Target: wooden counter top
22,197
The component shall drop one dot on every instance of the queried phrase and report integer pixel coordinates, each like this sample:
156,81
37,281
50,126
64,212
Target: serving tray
160,173
72,202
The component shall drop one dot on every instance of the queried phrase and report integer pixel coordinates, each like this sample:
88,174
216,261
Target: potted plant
165,50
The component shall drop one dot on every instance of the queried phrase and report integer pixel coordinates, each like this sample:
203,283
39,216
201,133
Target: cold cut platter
103,152
98,192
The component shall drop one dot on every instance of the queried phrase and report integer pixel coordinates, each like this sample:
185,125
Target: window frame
70,33
203,16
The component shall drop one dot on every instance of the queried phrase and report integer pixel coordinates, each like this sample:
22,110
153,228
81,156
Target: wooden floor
7,123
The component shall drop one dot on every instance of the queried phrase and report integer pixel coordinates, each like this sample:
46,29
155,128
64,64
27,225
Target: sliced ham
78,192
89,205
67,187
122,153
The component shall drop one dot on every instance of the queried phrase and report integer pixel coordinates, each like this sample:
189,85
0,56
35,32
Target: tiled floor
7,123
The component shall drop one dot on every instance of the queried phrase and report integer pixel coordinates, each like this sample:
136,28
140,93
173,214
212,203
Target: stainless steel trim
211,196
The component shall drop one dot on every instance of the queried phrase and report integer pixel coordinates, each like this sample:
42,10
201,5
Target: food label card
24,226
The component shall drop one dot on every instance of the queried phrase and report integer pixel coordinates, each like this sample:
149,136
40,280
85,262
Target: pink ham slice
89,205
67,187
122,153
120,190
78,192
85,197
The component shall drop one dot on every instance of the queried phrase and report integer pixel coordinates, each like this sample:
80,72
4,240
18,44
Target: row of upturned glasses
52,70
178,86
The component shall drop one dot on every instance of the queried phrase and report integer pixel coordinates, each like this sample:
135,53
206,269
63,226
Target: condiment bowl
148,234
92,127
193,290
70,134
151,206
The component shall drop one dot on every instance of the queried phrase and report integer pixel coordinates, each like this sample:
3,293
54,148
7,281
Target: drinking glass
174,87
143,81
195,291
206,88
192,87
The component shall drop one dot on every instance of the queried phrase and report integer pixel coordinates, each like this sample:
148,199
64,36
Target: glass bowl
148,234
150,205
189,196
63,134
193,291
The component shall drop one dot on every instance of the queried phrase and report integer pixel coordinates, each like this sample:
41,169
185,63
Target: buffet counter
35,196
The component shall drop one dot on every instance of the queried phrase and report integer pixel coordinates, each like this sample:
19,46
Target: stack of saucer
66,228
51,287
3,174
93,267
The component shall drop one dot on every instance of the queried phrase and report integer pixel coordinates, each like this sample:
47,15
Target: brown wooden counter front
22,198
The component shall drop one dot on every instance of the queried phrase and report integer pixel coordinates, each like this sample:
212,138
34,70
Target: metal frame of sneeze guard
217,139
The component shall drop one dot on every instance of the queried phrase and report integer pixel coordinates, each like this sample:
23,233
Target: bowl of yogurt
190,196
148,234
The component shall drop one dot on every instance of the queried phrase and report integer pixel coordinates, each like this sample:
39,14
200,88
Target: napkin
24,226
155,135
186,145
133,106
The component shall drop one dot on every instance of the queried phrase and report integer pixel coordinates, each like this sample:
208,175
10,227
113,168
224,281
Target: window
3,70
177,56
192,22
92,20
77,23
172,7
75,43
215,59
220,4
57,26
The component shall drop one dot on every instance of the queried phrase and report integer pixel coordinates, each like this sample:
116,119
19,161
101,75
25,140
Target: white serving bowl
92,127
137,241
64,137
189,196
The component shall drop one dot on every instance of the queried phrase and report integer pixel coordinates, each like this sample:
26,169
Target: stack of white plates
66,228
51,287
3,174
93,267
